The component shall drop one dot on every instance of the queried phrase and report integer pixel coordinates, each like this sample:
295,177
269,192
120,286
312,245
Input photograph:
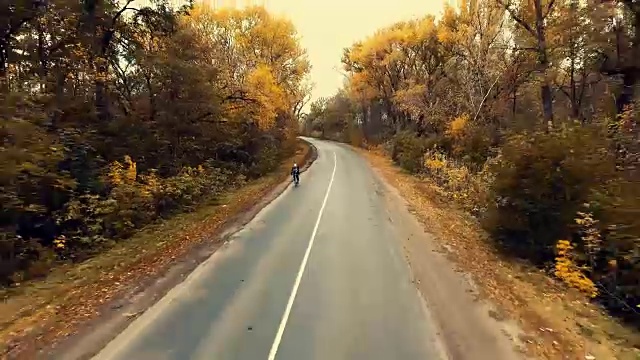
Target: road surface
318,274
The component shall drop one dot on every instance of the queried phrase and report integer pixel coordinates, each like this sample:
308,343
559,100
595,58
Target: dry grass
54,307
561,323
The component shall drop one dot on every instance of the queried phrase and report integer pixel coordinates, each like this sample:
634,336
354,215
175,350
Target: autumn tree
114,116
531,16
461,99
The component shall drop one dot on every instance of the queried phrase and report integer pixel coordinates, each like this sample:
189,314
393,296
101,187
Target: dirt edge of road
91,314
555,322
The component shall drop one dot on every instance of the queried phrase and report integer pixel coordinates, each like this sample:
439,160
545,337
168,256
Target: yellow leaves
197,12
424,29
411,99
60,242
254,54
359,87
563,247
449,26
567,270
457,182
458,126
131,169
403,57
203,14
434,164
262,86
150,184
119,173
115,173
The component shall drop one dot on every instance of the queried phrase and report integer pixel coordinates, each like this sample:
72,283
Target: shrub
407,150
459,183
568,271
92,222
541,181
468,142
87,221
612,224
267,159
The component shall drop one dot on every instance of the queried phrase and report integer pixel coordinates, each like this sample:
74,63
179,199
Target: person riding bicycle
295,172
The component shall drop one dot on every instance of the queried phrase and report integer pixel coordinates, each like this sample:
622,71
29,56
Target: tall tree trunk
4,55
543,61
538,32
631,71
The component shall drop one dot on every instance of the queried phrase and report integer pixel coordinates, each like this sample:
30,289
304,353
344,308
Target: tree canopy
113,116
526,112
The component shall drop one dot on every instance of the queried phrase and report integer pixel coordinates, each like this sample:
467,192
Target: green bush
267,159
407,150
541,181
89,223
467,141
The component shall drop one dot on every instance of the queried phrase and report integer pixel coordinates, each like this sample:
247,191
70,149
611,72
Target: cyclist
295,172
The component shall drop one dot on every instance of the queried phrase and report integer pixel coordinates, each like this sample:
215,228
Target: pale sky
326,27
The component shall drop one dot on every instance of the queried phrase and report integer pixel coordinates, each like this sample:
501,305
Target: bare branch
512,12
549,9
561,88
517,48
121,11
15,27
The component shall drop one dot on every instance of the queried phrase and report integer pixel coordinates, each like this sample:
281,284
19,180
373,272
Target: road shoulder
556,322
78,309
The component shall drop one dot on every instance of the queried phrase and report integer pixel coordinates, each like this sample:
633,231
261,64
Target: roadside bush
612,214
468,142
475,149
89,223
267,159
541,181
458,182
407,150
547,187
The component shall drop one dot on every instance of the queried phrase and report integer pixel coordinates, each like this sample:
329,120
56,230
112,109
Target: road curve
318,274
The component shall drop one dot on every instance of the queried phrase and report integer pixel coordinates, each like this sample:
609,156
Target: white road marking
122,341
296,284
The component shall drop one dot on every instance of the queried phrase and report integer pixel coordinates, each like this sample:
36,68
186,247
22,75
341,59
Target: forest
525,112
115,116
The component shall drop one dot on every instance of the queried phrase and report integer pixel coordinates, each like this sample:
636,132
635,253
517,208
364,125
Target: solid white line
296,284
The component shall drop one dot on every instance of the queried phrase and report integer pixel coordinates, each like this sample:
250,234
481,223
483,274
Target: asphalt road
318,274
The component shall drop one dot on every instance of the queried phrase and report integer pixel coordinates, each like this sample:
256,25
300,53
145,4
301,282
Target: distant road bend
318,274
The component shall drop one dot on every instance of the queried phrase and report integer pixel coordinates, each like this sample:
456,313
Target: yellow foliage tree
260,62
271,98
